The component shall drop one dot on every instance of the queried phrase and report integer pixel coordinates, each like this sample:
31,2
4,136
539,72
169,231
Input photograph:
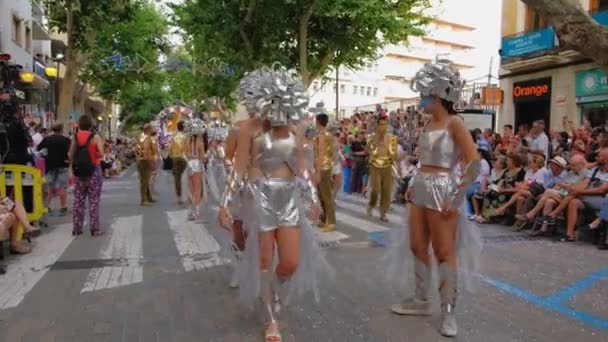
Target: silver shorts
194,166
276,199
433,190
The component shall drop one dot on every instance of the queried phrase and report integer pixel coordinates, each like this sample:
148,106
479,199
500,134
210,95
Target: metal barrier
17,181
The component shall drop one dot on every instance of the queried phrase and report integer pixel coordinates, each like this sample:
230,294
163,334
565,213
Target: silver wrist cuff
234,183
309,188
470,173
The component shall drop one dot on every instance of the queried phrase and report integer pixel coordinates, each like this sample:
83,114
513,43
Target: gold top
381,154
154,148
324,152
179,146
144,149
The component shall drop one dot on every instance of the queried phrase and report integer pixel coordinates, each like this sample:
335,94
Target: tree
141,101
575,29
81,20
309,35
127,51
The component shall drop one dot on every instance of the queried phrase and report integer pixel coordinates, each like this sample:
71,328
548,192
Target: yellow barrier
16,180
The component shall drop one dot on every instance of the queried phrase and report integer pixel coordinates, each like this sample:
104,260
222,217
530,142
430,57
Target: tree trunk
575,28
303,41
66,95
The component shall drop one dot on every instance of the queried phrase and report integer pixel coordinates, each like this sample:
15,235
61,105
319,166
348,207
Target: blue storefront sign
528,43
601,17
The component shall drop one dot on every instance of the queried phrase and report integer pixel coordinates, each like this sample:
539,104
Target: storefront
532,101
591,89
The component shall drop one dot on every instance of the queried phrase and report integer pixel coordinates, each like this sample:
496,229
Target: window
355,88
28,39
16,30
361,90
533,20
369,91
315,86
375,91
342,88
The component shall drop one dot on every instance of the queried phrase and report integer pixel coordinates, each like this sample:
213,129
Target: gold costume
145,157
381,158
324,161
178,150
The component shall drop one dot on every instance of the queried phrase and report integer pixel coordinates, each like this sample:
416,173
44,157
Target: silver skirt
276,198
194,166
433,190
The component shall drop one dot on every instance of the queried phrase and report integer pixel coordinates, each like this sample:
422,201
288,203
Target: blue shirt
483,144
549,179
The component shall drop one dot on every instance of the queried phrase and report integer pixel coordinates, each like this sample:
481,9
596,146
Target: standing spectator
347,162
480,182
87,187
482,142
540,141
523,132
360,167
37,137
57,175
507,136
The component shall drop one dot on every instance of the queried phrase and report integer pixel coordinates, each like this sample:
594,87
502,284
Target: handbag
536,189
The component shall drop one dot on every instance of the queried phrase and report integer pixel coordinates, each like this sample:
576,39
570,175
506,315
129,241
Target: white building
463,30
24,36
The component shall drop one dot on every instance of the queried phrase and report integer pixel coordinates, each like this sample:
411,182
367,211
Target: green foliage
139,40
141,101
345,32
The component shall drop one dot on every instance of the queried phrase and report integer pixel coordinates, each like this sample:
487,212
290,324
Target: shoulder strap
595,173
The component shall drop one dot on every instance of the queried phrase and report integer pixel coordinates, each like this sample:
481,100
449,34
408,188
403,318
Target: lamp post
51,74
58,58
110,127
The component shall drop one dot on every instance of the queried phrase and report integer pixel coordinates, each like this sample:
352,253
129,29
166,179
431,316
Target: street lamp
27,77
51,74
110,127
58,57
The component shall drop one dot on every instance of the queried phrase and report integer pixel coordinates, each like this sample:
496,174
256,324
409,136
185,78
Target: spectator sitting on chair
589,193
555,195
12,214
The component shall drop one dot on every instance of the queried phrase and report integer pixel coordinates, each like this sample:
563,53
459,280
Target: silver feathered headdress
279,96
439,78
195,126
246,89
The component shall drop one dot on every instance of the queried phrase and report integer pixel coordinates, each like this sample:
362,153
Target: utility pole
490,70
337,92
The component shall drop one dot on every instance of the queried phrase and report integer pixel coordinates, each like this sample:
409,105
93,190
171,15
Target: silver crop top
271,153
437,148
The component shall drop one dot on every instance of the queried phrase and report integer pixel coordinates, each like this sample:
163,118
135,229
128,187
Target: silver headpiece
280,97
439,78
195,126
246,89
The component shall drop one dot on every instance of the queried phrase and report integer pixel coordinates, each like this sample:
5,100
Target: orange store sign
532,89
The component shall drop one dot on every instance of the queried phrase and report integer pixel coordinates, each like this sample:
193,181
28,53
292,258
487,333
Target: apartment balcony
538,48
39,29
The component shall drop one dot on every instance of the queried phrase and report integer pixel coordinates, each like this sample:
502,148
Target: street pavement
156,277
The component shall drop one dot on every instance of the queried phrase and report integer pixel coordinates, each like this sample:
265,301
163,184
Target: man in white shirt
540,140
37,137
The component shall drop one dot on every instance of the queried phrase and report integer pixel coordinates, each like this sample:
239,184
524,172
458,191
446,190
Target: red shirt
94,152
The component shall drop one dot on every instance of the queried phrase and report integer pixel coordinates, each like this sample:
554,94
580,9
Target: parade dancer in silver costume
278,180
195,128
436,194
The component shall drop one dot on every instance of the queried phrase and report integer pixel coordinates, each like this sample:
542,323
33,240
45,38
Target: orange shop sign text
533,90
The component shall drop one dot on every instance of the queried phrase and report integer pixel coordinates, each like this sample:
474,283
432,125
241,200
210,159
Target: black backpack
82,165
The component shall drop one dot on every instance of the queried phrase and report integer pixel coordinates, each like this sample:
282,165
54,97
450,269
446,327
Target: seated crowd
534,182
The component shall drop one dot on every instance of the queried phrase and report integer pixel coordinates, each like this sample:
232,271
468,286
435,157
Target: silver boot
420,304
268,300
448,291
234,278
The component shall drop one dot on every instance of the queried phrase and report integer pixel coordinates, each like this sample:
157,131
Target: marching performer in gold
324,164
382,151
145,164
178,150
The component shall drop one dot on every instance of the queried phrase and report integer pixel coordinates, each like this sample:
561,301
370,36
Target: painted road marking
393,218
558,302
24,272
197,248
126,244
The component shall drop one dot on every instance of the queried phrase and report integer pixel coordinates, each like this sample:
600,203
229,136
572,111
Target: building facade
456,33
541,80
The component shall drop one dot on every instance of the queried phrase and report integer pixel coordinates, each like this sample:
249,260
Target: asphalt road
156,277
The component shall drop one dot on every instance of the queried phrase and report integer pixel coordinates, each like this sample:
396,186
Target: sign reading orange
538,90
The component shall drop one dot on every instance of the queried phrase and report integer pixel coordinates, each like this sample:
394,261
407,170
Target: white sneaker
448,327
412,307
